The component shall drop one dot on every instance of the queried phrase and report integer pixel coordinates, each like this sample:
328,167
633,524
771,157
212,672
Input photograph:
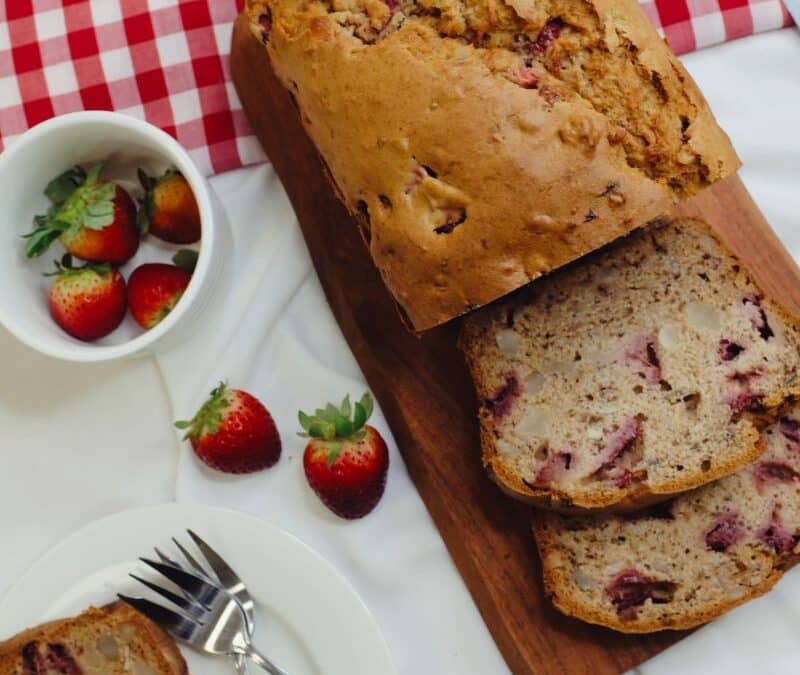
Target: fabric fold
270,331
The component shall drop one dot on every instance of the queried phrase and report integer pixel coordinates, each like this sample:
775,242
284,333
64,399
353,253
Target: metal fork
223,575
211,619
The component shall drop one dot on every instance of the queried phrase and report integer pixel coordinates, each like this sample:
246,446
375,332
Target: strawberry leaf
342,423
98,268
91,222
147,208
336,448
105,208
366,402
327,415
64,267
359,415
209,418
93,174
98,207
305,422
61,187
344,427
147,182
186,259
39,240
321,429
344,409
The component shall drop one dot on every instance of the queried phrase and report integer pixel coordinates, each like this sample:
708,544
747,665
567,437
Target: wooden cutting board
424,389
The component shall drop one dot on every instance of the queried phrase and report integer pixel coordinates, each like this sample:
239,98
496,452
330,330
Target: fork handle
260,660
240,661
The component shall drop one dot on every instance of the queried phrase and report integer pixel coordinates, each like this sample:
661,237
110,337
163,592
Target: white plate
309,619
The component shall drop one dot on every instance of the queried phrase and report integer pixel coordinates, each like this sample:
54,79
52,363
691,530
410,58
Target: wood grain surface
425,392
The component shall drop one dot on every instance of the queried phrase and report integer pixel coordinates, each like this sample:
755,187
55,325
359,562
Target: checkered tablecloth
166,61
694,24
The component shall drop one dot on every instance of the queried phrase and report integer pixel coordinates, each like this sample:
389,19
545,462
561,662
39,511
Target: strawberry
169,208
233,432
95,220
89,301
155,288
346,461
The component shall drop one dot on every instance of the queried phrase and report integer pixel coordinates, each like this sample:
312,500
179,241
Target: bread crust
170,661
637,495
557,589
540,178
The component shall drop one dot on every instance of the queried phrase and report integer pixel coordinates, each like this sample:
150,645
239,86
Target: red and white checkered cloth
166,61
694,24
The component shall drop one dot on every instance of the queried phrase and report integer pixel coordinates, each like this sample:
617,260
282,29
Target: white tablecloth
81,442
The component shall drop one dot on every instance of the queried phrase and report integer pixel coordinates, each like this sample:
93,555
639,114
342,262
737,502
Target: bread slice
483,144
634,374
109,640
687,561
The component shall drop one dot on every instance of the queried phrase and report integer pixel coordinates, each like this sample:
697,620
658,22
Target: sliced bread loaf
633,374
111,640
482,144
683,562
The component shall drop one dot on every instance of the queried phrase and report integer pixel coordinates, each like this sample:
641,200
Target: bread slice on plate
685,561
638,372
110,640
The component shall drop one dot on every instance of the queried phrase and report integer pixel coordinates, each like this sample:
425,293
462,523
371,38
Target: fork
222,575
211,619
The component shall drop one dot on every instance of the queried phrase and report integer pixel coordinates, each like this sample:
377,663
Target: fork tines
176,625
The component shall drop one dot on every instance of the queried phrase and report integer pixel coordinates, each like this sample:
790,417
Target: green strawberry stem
147,203
337,424
80,199
64,267
186,259
209,417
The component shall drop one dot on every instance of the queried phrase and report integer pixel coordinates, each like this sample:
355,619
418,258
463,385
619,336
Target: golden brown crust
152,642
540,175
557,589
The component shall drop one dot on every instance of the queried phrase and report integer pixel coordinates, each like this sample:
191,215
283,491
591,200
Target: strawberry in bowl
91,210
155,288
346,461
233,432
169,209
95,220
88,302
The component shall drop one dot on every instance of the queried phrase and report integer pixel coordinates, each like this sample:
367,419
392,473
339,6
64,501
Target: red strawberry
155,288
346,462
88,302
169,209
94,219
233,432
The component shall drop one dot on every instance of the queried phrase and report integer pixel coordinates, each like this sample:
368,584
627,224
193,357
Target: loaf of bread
687,561
484,143
638,372
111,640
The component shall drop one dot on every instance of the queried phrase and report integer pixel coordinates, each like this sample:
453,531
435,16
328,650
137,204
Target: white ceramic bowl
126,144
